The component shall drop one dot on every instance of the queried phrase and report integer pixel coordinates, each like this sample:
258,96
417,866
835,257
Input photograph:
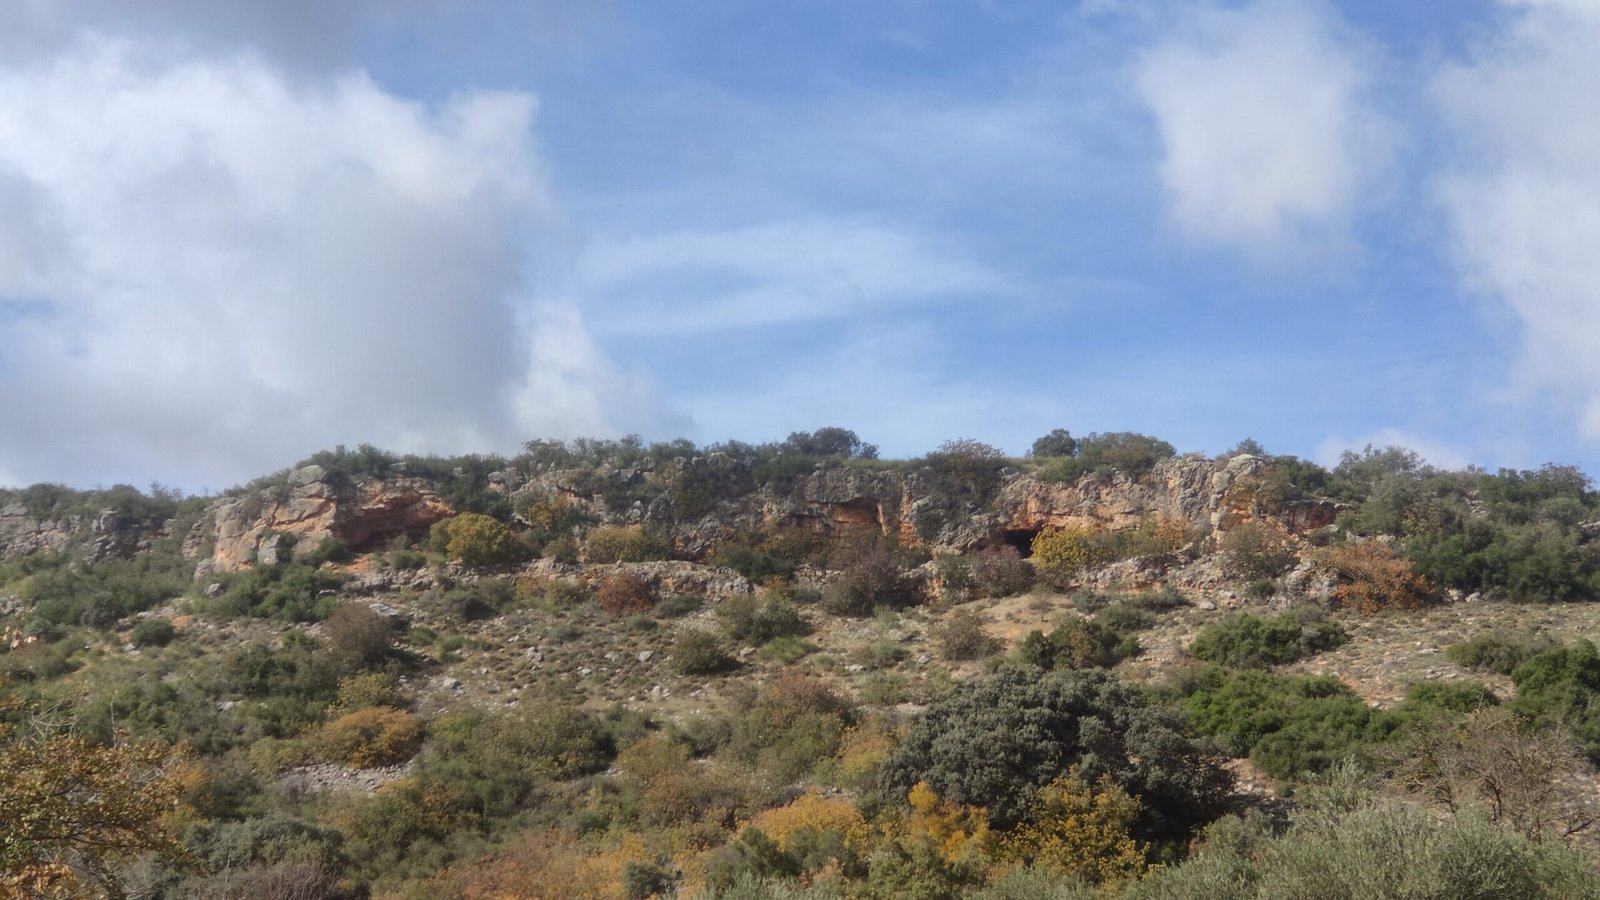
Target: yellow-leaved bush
813,811
475,539
959,834
1078,831
1061,553
72,810
374,736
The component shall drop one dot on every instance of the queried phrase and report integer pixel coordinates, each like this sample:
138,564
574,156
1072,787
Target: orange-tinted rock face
308,507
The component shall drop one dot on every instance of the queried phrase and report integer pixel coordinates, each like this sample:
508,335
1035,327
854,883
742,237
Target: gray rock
450,684
306,475
275,550
214,589
646,655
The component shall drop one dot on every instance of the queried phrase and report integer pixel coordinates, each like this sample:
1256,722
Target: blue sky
232,233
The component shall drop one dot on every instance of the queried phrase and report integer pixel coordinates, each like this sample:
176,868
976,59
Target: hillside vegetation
616,670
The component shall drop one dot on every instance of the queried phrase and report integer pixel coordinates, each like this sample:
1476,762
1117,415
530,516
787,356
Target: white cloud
1271,137
1524,199
771,274
212,269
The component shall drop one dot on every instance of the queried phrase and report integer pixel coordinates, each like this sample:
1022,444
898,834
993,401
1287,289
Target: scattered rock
646,655
326,778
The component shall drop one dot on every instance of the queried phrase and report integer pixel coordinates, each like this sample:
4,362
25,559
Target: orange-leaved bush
374,736
1370,578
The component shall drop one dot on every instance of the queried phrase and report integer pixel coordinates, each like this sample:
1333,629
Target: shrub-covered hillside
617,670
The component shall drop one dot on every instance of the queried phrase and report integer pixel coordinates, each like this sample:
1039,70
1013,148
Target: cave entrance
1021,539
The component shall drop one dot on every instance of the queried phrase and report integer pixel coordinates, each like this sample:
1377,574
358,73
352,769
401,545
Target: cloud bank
205,259
1524,205
1269,133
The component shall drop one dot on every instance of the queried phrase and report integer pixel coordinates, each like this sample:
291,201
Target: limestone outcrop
309,507
89,537
704,501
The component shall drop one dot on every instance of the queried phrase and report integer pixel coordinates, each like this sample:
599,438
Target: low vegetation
629,670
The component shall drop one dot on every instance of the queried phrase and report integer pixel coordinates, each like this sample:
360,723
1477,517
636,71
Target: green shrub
790,727
697,652
1248,641
1254,551
293,592
493,764
1450,698
291,686
256,855
1563,686
1077,644
1059,442
1127,452
643,879
1001,572
152,633
630,543
1124,616
961,637
98,594
872,576
405,559
879,654
992,742
474,539
965,469
955,578
676,606
185,712
1290,726
1499,652
369,689
1378,850
760,617
358,637
787,649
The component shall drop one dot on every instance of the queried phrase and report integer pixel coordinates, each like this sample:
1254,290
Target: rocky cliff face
89,537
310,507
894,502
909,506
